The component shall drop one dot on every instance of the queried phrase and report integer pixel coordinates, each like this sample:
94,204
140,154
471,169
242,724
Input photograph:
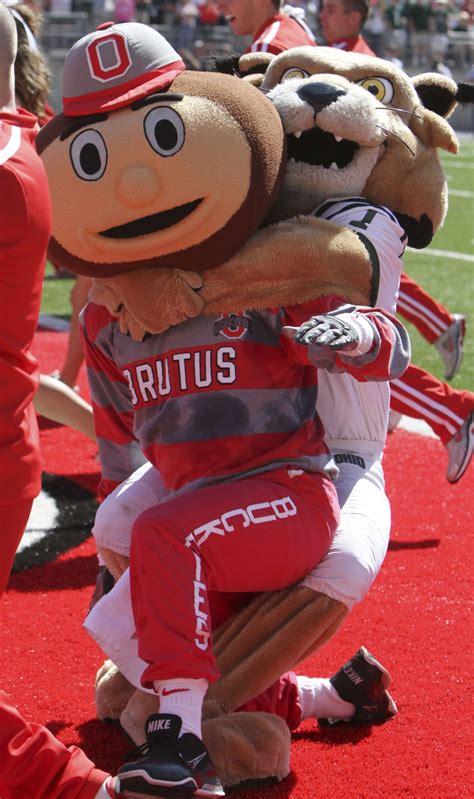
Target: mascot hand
149,300
329,331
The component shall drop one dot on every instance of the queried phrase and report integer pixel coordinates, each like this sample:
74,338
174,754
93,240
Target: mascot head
358,125
150,165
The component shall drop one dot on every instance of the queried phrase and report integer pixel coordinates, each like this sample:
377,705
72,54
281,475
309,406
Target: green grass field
449,279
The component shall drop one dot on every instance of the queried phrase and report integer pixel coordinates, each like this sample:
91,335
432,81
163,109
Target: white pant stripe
418,310
426,413
422,398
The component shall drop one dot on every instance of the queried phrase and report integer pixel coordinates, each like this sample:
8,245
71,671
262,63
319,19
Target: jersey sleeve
390,353
119,451
387,358
383,237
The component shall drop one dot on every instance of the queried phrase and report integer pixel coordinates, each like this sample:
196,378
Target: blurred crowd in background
417,35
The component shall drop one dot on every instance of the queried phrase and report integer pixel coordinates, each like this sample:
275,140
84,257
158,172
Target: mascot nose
319,95
137,186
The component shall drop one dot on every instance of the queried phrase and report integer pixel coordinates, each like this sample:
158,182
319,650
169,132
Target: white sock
184,698
320,700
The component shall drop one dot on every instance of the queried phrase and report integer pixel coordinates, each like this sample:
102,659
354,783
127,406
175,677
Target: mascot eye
164,130
294,72
381,88
89,155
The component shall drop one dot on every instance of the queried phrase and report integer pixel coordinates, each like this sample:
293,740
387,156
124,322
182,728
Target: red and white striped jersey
279,33
214,399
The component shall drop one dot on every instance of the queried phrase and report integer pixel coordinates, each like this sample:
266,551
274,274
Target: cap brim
112,99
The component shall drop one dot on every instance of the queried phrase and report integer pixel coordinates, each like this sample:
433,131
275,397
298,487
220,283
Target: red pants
421,395
281,699
14,519
35,765
258,534
429,317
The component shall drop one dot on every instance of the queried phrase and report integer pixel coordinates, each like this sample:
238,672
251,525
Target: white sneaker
460,450
450,345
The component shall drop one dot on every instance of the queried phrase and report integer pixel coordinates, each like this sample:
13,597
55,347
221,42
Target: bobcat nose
319,95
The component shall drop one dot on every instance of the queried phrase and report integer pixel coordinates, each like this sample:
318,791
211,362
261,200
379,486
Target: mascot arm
149,300
288,264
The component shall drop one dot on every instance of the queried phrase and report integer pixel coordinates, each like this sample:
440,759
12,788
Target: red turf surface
416,620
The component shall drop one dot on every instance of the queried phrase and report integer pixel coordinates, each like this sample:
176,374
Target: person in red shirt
22,259
272,30
341,22
33,762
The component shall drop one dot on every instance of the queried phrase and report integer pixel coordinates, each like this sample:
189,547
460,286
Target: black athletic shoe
169,766
364,682
197,758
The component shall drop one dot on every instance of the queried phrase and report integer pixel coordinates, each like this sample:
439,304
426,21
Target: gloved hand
329,331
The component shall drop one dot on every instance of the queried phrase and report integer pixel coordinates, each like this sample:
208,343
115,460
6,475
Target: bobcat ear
251,66
228,64
433,130
441,94
254,64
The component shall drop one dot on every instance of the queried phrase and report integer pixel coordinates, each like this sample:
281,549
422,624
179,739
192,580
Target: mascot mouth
153,223
319,148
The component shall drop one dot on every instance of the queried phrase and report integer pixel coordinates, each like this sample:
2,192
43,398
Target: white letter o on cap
108,57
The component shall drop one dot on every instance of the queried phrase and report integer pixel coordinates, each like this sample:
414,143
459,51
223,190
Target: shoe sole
459,351
141,788
139,785
468,454
132,794
386,679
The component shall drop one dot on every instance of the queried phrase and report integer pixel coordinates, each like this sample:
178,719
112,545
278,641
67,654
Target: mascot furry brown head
136,178
386,153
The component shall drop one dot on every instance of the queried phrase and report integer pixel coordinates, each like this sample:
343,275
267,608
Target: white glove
327,331
351,334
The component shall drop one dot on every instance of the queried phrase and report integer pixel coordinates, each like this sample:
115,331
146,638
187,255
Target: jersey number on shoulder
364,223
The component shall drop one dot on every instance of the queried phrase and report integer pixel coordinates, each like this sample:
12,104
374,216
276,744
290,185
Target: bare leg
57,401
75,355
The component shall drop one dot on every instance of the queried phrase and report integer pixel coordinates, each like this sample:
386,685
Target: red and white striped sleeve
112,405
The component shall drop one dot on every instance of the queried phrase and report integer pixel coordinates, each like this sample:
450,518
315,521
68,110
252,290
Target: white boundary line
457,256
460,193
417,426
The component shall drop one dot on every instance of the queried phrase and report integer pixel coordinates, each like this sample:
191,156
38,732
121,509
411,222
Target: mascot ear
433,130
441,94
252,67
227,64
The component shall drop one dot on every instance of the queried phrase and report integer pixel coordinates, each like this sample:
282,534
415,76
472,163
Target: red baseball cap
116,65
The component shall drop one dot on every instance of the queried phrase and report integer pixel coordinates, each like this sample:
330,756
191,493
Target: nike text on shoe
460,450
450,345
363,681
162,770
